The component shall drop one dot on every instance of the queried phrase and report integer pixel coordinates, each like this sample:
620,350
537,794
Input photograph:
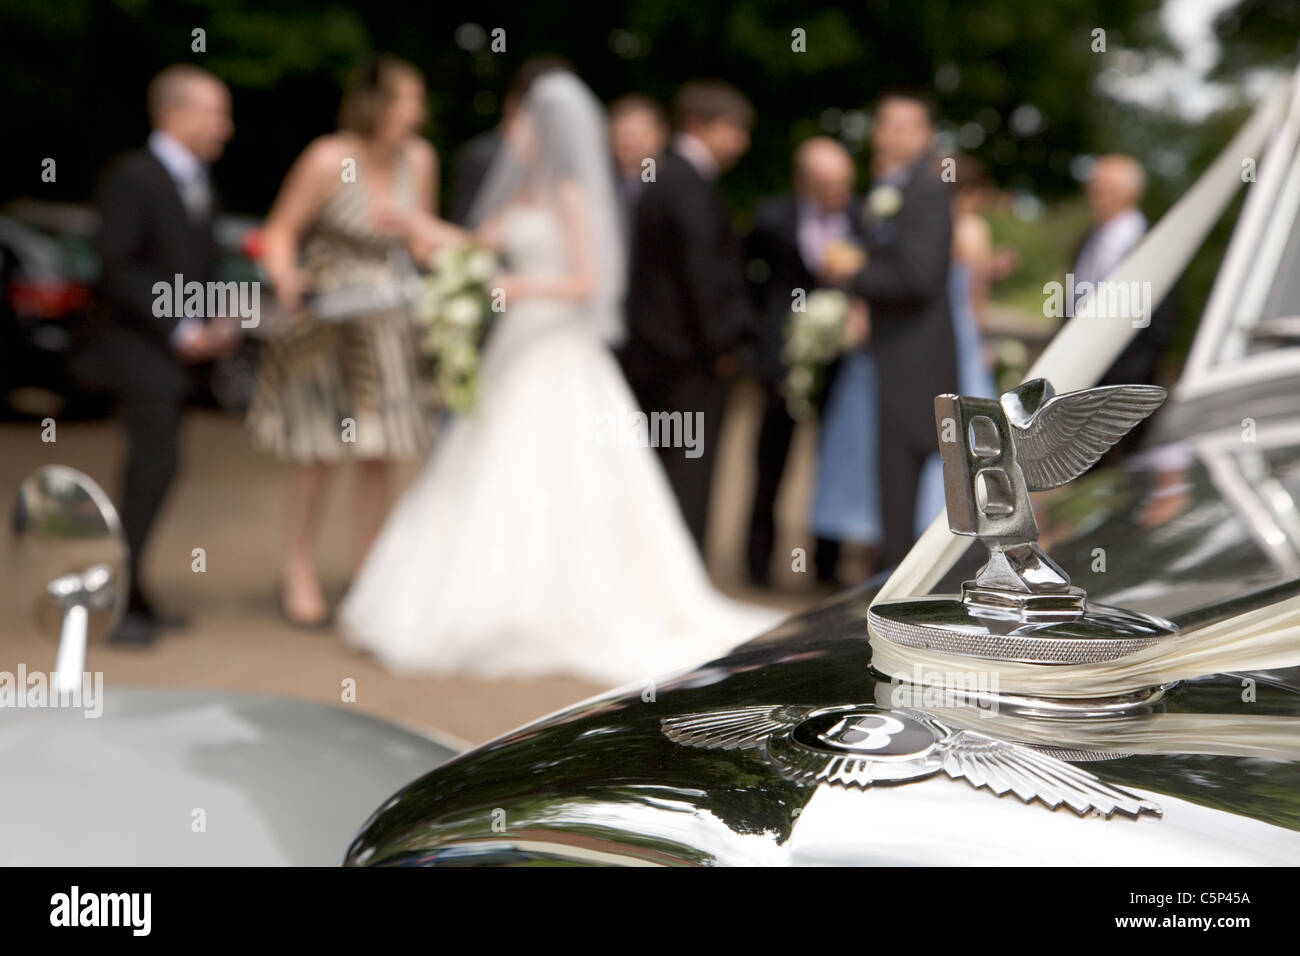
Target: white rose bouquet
456,313
814,338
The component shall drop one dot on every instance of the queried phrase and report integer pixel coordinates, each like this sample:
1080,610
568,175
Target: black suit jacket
772,251
472,164
687,303
905,283
146,236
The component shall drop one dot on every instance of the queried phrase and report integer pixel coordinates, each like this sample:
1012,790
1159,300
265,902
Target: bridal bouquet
456,312
814,337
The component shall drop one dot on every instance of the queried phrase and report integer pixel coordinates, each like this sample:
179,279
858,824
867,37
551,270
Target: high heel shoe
315,624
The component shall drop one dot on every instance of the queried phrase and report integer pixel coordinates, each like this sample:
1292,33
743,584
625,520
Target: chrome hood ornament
859,745
1021,606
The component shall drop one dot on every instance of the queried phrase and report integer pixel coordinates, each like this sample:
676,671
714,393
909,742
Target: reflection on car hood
1172,533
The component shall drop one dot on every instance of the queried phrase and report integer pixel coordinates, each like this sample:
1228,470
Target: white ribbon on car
1076,358
1260,639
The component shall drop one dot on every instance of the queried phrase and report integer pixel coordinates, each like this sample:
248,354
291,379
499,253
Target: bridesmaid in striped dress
334,392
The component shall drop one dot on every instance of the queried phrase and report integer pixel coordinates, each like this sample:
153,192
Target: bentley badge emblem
1021,606
858,745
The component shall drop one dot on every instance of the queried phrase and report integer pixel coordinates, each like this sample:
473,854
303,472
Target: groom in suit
689,313
905,285
156,206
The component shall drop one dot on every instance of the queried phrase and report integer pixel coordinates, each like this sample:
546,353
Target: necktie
824,234
196,196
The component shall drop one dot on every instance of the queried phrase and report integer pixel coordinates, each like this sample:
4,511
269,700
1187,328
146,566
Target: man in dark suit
786,249
689,312
905,284
638,132
156,207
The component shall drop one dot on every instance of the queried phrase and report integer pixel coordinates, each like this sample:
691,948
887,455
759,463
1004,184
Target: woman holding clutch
336,391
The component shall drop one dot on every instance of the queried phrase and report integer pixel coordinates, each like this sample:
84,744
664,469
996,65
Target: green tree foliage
75,70
1017,81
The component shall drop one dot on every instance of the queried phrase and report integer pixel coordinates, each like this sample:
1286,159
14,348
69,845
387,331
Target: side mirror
71,559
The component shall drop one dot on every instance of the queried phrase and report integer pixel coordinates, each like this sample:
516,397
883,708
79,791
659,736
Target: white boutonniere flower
884,201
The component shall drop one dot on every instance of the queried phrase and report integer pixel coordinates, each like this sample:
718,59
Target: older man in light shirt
1114,192
786,250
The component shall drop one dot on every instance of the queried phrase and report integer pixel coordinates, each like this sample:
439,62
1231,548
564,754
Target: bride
530,544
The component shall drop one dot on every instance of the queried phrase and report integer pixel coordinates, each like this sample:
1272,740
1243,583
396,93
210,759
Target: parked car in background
45,281
48,269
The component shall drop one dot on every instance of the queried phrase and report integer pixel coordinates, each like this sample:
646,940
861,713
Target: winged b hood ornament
1021,606
861,745
1059,437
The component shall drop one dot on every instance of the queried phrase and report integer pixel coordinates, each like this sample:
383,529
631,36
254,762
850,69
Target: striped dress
330,392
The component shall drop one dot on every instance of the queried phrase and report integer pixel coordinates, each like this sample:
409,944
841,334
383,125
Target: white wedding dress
528,545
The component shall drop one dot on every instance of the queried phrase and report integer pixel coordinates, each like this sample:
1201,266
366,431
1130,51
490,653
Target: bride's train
530,543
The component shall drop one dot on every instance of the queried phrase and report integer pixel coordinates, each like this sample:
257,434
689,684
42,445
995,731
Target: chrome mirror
71,562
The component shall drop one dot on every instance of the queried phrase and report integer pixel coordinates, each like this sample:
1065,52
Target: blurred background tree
1020,83
1008,74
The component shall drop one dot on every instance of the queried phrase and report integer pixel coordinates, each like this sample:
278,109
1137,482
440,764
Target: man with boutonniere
904,280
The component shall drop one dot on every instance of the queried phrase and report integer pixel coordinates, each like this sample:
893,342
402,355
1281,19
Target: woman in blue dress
969,280
846,501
